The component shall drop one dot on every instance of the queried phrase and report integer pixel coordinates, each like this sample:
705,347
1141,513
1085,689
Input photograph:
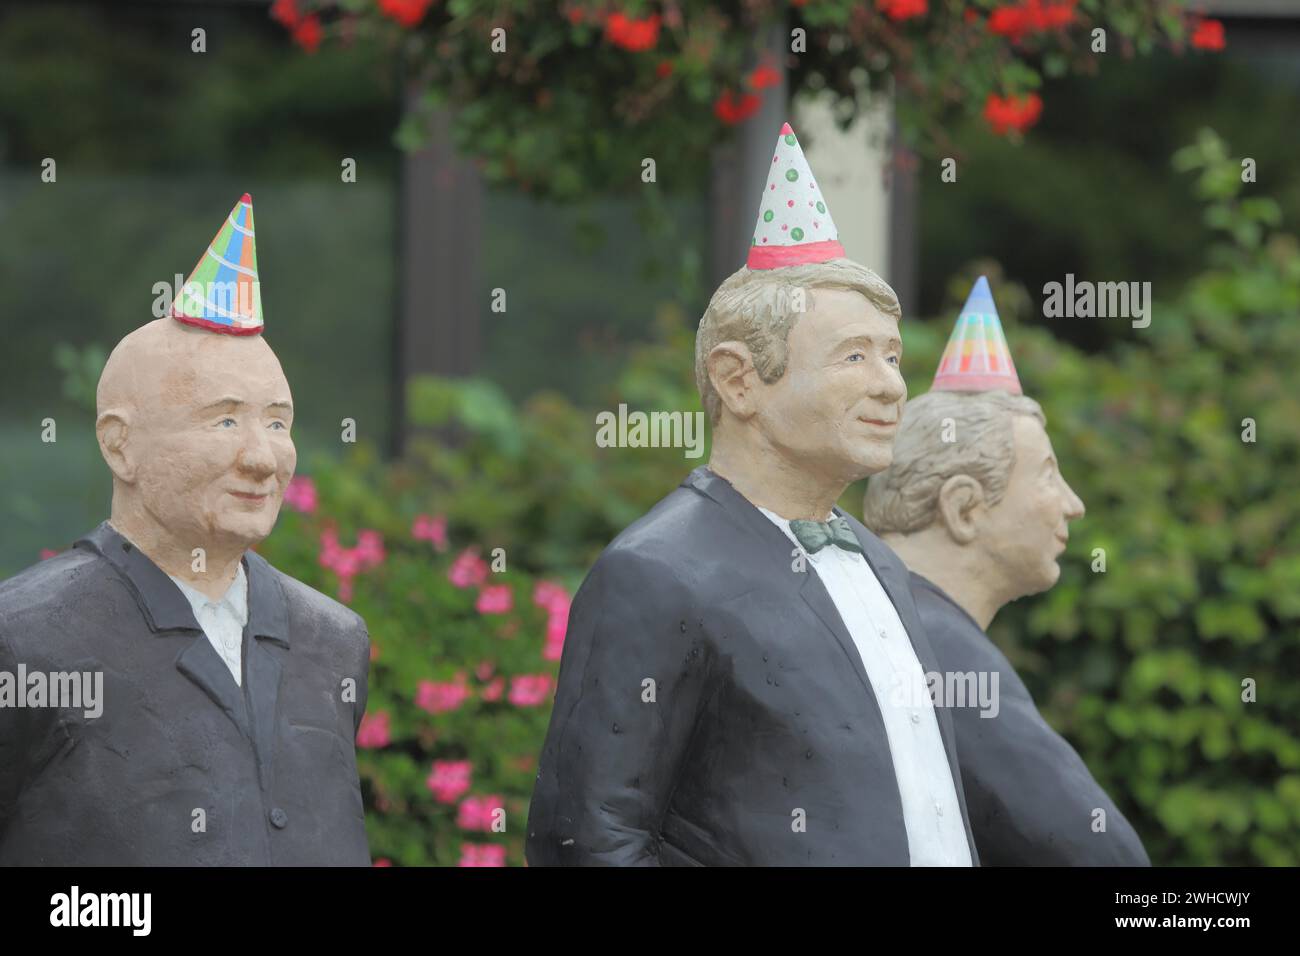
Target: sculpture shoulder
958,642
318,615
67,587
667,547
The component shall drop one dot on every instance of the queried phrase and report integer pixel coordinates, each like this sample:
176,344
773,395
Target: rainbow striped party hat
976,358
222,293
794,226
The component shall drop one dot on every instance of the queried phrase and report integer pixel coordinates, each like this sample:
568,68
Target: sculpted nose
257,458
1074,509
889,387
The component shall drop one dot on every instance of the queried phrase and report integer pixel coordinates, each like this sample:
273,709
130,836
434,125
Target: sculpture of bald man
228,694
976,506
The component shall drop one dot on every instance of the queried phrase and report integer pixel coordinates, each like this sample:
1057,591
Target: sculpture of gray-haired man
975,504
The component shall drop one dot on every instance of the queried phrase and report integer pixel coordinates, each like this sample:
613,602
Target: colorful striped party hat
976,358
794,226
222,293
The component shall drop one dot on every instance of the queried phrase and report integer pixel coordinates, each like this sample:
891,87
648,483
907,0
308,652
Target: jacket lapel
811,589
265,638
200,663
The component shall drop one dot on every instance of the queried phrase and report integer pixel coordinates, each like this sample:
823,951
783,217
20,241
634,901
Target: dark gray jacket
761,704
1031,797
271,765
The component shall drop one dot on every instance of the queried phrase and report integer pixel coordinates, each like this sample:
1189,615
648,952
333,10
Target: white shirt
222,621
936,835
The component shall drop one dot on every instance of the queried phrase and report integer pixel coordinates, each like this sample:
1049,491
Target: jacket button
279,819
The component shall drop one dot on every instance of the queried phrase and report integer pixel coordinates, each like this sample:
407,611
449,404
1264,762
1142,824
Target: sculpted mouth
251,495
879,423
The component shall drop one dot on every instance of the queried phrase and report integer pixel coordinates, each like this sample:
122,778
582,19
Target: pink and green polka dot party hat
794,226
222,293
976,358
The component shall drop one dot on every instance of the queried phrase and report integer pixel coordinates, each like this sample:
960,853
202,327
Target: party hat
976,358
794,226
222,293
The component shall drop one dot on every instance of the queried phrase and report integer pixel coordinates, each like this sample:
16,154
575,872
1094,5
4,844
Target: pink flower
47,553
468,570
557,624
484,670
374,731
348,562
482,854
449,779
300,495
495,599
431,529
382,861
370,548
476,813
546,593
529,690
492,692
440,698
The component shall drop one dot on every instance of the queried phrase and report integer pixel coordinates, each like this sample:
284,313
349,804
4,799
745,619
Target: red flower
763,77
664,69
1208,35
406,12
1031,16
1012,112
902,9
307,33
733,109
286,12
632,34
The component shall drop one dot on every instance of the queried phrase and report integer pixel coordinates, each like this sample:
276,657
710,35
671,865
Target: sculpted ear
112,429
732,373
961,499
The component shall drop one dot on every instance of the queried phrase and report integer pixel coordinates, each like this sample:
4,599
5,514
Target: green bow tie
815,535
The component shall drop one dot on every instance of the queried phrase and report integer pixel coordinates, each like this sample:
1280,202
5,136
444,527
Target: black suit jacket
762,712
1031,797
271,764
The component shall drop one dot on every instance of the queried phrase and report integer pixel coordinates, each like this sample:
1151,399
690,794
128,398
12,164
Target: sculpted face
203,451
837,407
1026,531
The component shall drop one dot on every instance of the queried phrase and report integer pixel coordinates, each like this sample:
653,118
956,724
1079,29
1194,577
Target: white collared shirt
936,835
222,621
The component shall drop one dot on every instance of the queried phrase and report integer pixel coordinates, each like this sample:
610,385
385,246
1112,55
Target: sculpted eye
856,357
278,425
227,421
895,359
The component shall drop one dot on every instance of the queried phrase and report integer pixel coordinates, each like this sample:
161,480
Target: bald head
195,428
162,360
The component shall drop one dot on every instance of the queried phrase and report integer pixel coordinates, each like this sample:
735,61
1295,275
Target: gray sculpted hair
904,497
759,307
